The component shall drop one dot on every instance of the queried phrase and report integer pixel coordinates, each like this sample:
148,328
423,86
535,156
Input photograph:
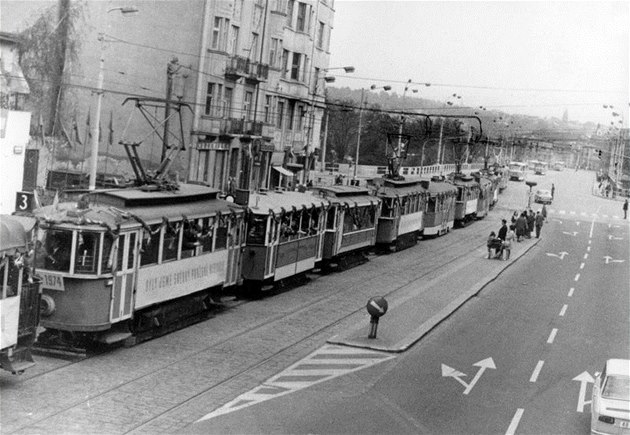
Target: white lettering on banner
173,279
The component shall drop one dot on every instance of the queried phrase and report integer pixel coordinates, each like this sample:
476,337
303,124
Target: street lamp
99,99
356,157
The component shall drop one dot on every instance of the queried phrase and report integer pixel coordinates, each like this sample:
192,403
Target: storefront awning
283,171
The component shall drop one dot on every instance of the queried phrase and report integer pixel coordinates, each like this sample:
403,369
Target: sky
536,57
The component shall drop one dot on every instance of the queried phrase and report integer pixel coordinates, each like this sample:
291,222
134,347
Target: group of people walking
521,227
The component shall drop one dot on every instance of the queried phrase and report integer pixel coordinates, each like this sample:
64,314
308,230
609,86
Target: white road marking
552,336
536,371
572,212
577,277
571,290
563,310
515,420
588,248
582,266
584,379
585,256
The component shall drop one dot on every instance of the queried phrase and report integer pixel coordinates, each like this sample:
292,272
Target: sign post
376,307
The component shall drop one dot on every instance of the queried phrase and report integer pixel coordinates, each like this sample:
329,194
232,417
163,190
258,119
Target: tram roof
346,194
437,187
12,234
138,197
261,203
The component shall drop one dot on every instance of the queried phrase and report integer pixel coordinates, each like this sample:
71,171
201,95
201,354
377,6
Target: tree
48,52
342,127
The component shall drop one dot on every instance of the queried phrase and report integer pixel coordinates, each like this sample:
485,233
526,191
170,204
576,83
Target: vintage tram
285,233
467,198
402,214
130,264
486,194
19,301
350,224
439,217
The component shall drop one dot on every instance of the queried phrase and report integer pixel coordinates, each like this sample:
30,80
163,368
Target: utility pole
171,69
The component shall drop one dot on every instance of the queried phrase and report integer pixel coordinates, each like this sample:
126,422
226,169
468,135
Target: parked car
610,413
543,196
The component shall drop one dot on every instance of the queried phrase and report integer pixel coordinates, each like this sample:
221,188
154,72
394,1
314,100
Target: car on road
543,196
610,413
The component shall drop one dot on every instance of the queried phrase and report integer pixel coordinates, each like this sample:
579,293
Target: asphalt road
515,359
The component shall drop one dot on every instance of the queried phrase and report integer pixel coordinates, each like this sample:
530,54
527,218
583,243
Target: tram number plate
52,281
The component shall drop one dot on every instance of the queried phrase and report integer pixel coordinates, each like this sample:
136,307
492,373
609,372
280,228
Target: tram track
433,256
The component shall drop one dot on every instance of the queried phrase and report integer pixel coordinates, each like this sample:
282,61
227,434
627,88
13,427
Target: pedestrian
531,222
539,223
553,190
544,212
507,244
514,217
494,245
503,230
521,227
625,209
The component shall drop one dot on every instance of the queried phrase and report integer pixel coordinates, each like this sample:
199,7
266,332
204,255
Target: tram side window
256,230
207,234
108,253
222,234
287,229
10,272
170,245
330,218
349,221
58,245
86,252
305,223
190,238
315,221
150,245
389,208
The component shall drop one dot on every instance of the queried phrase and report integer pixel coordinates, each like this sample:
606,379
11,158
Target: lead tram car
134,263
20,295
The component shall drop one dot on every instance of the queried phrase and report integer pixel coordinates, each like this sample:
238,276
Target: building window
274,52
268,100
320,34
253,54
290,115
257,16
316,73
247,105
285,63
209,99
233,48
295,66
219,33
301,113
227,102
238,9
290,7
280,114
301,17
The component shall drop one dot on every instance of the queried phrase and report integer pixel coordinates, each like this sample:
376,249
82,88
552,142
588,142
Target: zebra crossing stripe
322,365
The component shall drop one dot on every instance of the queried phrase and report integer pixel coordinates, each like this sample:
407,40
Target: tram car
351,222
285,235
439,217
486,194
19,301
467,198
402,213
504,176
130,264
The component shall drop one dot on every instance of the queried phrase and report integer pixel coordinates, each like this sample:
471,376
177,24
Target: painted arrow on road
610,260
450,372
584,379
561,255
611,237
574,233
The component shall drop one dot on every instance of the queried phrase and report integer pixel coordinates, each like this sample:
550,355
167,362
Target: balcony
234,126
238,67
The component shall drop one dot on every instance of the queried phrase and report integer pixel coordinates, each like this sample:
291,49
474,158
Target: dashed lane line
514,423
322,365
571,290
552,335
563,310
536,372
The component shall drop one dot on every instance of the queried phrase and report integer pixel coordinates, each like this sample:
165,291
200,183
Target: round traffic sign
377,306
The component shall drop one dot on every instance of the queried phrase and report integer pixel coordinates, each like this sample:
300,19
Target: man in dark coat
503,230
531,220
539,223
521,227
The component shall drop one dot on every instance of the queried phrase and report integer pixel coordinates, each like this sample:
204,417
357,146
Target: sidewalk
417,308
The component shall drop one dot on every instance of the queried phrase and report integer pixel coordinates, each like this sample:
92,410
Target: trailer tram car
285,236
402,214
486,195
131,264
19,301
467,199
440,214
350,224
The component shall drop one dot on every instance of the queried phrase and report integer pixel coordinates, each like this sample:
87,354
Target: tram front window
57,247
150,246
256,230
86,252
12,272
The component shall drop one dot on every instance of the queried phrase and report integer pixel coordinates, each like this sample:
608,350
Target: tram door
122,298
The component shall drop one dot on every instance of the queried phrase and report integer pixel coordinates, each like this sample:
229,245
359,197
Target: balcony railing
242,127
238,67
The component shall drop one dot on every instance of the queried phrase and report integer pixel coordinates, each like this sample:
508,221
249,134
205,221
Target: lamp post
125,10
328,79
356,157
402,117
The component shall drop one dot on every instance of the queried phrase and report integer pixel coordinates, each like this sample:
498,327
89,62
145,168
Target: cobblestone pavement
166,384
